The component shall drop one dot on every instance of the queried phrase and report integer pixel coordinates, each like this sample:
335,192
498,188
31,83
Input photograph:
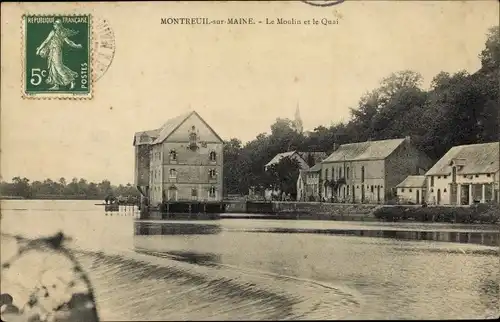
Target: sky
238,78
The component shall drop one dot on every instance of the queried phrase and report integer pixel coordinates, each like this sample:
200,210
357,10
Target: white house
308,184
301,185
412,190
313,182
464,175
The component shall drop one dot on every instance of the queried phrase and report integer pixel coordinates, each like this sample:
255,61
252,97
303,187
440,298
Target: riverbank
480,213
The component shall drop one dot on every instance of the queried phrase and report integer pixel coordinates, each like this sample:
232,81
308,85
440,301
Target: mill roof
161,134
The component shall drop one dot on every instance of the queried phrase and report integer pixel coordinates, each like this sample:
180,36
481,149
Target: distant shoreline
52,198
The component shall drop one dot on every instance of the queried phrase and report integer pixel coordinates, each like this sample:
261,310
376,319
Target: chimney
408,138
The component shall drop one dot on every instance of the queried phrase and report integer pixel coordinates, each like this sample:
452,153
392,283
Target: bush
482,213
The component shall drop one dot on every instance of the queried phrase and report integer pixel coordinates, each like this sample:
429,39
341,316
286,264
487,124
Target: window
432,181
326,173
371,188
477,175
211,192
213,156
333,173
465,177
194,192
488,175
212,174
402,189
439,177
347,174
173,173
444,190
411,190
445,177
363,174
432,190
340,172
173,155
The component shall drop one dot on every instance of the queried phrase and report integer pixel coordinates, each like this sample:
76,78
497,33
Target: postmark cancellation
57,56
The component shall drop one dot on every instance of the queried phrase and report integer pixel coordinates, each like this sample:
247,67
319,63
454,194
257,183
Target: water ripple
127,288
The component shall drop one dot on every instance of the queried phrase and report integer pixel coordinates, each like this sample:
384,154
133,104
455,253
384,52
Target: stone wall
325,210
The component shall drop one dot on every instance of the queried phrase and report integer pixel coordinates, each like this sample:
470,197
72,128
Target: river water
233,269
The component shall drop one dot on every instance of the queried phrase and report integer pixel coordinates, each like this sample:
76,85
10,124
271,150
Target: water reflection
481,238
175,228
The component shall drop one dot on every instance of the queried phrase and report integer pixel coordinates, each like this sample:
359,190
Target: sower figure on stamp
51,48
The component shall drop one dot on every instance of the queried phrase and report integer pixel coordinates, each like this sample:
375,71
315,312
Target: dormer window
173,173
193,139
173,155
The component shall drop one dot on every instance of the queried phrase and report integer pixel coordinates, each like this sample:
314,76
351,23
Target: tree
490,56
21,187
284,175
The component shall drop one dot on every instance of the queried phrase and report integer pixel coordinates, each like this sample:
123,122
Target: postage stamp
57,52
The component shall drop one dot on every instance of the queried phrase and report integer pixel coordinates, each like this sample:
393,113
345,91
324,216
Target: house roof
316,167
369,150
473,158
412,182
161,134
316,156
277,158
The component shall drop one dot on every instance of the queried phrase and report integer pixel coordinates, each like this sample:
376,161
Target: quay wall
304,210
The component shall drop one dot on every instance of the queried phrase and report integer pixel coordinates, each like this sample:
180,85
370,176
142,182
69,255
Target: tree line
61,189
459,108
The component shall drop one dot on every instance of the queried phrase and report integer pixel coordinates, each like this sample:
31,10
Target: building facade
301,186
466,174
368,172
181,161
312,185
412,190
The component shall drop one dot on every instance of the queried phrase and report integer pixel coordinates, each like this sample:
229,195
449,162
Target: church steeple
298,121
